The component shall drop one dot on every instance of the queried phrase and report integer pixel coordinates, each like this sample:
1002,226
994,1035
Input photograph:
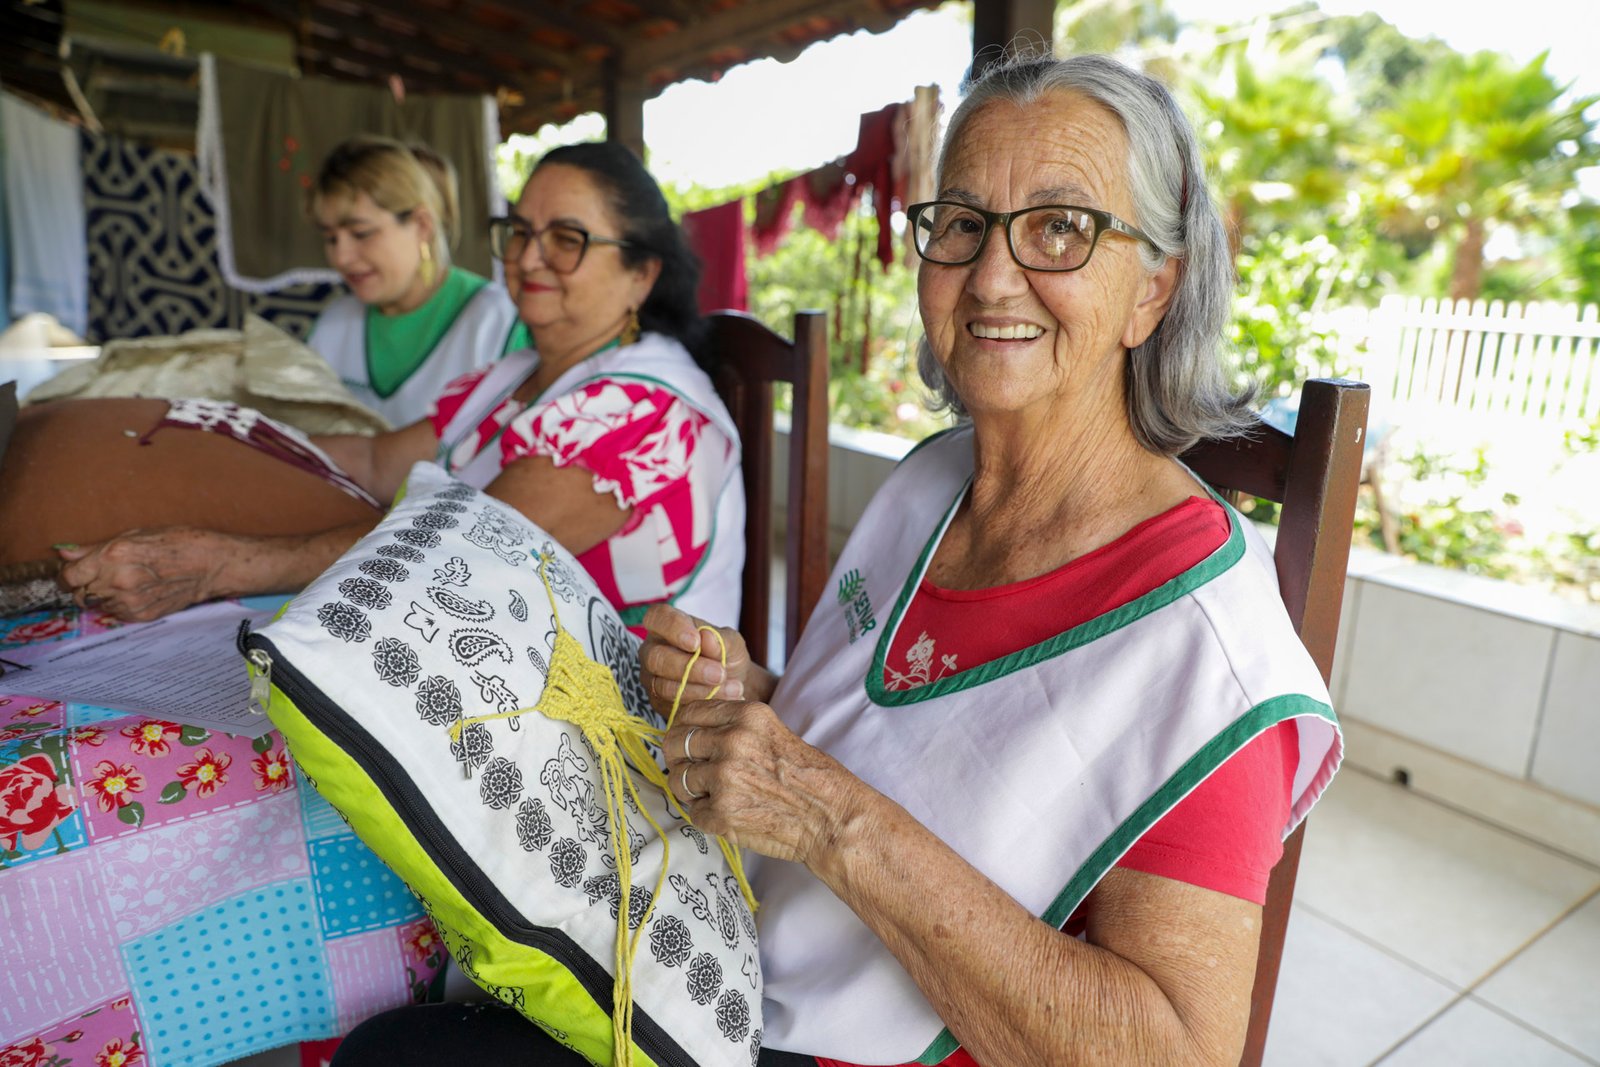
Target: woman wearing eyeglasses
412,321
1031,768
1017,794
605,431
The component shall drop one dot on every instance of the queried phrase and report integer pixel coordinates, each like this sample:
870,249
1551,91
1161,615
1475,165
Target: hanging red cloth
717,236
774,206
872,164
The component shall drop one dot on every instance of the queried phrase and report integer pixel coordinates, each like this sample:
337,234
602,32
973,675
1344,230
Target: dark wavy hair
641,211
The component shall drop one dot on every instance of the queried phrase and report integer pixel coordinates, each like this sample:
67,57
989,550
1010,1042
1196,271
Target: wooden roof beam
678,11
549,15
473,38
342,30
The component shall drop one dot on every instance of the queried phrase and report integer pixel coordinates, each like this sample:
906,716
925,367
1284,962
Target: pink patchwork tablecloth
173,896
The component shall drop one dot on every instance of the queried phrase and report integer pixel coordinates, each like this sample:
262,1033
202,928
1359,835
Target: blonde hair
399,179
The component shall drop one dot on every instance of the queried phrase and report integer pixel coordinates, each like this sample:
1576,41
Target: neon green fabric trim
398,344
497,960
1195,770
1228,554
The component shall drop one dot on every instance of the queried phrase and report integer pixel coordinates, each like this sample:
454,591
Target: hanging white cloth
45,226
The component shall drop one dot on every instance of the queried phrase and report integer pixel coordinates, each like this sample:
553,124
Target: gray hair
1178,390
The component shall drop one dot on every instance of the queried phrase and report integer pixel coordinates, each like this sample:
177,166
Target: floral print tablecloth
174,896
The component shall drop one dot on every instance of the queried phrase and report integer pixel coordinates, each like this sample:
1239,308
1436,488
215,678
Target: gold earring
630,330
427,269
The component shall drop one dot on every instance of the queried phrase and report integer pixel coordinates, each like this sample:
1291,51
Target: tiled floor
1421,936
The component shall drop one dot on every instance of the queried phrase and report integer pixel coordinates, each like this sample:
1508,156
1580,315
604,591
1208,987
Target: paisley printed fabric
456,645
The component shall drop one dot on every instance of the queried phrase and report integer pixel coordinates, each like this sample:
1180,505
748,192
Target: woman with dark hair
605,432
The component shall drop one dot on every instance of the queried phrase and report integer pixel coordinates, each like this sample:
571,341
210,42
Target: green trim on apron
1229,553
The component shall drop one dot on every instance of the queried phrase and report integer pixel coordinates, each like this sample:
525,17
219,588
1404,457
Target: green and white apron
475,339
714,590
1041,768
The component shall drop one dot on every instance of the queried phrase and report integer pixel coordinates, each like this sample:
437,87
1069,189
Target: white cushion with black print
439,616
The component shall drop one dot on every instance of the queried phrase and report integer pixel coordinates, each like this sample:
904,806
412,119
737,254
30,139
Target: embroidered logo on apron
857,608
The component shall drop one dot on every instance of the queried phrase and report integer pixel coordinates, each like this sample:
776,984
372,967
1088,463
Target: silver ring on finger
686,753
684,778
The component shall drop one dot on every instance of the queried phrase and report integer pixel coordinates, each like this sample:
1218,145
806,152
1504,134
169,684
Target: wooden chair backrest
1314,476
749,359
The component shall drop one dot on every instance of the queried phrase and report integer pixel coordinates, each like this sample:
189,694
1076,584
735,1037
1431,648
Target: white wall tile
1349,607
1567,751
1526,808
1463,680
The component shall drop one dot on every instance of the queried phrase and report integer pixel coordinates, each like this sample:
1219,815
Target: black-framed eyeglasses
1055,237
561,246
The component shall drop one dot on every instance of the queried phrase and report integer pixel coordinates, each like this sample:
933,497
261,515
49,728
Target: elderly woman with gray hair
1017,795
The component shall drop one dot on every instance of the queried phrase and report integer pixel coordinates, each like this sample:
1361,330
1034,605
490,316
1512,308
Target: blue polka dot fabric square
88,714
355,890
317,815
242,976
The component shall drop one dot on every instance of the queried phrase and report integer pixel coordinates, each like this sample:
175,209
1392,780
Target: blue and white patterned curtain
152,239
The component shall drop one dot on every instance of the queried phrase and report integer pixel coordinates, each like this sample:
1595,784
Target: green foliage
1474,141
1107,25
1577,253
1450,523
1286,284
514,159
872,318
1271,129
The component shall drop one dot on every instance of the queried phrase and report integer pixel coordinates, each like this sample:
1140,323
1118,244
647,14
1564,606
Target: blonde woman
411,323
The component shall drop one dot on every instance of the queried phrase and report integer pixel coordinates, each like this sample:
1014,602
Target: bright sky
768,116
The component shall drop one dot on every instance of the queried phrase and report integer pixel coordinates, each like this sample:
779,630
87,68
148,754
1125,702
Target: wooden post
997,23
624,107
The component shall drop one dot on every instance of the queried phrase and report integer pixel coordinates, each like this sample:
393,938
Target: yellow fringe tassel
584,693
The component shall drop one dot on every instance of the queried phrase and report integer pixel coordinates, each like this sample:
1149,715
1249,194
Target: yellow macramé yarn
580,691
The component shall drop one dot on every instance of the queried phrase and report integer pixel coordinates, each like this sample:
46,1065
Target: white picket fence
1537,361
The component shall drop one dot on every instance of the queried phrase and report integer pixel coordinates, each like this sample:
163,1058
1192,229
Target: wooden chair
1314,476
750,358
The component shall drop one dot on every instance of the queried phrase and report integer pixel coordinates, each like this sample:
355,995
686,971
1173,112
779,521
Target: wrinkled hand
671,638
145,574
742,774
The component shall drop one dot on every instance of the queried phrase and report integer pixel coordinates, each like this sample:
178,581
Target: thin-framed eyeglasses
561,245
1054,237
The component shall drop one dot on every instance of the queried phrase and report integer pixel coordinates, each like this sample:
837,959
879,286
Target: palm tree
1472,142
1271,125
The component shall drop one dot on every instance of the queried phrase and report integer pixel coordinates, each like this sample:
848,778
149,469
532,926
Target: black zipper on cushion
476,887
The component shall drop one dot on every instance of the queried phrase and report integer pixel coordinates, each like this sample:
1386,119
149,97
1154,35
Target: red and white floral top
643,444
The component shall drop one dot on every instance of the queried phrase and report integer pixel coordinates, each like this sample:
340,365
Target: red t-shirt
1226,835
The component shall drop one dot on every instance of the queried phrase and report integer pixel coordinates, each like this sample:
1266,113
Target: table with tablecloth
174,896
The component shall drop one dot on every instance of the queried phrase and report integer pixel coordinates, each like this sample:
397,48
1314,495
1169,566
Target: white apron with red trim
1040,768
714,590
475,339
